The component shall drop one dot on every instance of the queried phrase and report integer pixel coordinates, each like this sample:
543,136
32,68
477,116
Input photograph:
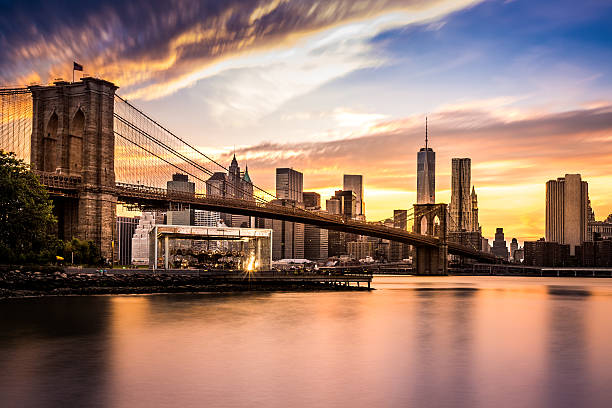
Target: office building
289,184
233,184
499,245
343,202
426,173
461,200
180,183
567,211
204,218
312,200
399,251
180,217
514,246
354,183
126,226
316,241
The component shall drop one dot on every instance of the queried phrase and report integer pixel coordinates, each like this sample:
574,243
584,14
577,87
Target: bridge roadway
145,197
155,198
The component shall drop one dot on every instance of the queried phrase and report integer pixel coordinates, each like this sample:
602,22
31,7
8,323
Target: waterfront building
126,226
354,183
461,200
289,184
499,245
359,250
567,211
140,239
426,173
543,253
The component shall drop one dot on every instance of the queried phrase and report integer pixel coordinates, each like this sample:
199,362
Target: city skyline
356,86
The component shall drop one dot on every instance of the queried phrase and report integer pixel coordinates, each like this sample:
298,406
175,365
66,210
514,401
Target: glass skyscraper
426,174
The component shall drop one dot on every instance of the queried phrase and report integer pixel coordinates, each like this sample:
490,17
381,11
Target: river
415,341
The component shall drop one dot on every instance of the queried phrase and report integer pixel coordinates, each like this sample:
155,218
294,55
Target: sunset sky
523,88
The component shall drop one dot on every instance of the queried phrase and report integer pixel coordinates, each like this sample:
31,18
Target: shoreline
17,284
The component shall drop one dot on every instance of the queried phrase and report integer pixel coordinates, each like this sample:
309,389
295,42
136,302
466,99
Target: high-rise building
399,251
567,211
312,200
204,218
514,246
474,220
315,243
287,236
426,173
180,183
461,200
180,217
233,184
126,226
289,184
499,245
354,183
344,202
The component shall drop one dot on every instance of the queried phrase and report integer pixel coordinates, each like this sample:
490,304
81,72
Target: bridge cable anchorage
187,144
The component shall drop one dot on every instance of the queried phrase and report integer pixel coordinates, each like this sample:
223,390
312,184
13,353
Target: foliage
84,252
26,214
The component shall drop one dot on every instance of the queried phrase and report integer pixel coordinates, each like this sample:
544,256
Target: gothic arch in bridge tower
75,143
430,219
50,144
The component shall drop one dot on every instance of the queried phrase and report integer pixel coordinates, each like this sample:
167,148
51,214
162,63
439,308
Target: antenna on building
425,133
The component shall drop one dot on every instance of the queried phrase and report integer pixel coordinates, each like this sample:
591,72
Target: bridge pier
72,136
430,219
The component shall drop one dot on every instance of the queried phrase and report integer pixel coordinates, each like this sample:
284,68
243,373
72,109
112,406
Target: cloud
511,161
161,46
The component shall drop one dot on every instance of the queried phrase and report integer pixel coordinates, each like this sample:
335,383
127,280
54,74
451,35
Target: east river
420,342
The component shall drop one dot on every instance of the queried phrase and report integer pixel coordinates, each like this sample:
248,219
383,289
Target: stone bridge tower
72,135
431,219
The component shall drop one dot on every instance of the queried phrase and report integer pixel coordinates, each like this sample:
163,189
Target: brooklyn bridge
93,150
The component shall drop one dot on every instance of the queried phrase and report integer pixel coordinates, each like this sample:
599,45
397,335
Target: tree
26,214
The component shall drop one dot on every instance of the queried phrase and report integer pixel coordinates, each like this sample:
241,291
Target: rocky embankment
20,283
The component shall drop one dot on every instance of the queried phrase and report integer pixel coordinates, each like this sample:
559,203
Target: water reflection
54,352
476,342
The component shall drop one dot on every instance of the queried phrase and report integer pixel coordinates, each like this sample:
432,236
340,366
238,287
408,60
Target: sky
337,87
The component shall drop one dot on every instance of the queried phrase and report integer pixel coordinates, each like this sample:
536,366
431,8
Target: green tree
26,214
82,252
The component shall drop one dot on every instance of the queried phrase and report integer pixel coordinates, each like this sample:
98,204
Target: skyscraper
289,184
233,184
461,200
426,173
354,183
499,245
567,211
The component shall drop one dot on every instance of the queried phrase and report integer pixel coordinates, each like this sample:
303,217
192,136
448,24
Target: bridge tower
72,135
431,219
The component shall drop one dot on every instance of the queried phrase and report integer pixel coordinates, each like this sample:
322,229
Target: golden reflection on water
452,341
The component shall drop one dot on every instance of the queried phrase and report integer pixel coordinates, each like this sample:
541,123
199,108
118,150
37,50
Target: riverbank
18,283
